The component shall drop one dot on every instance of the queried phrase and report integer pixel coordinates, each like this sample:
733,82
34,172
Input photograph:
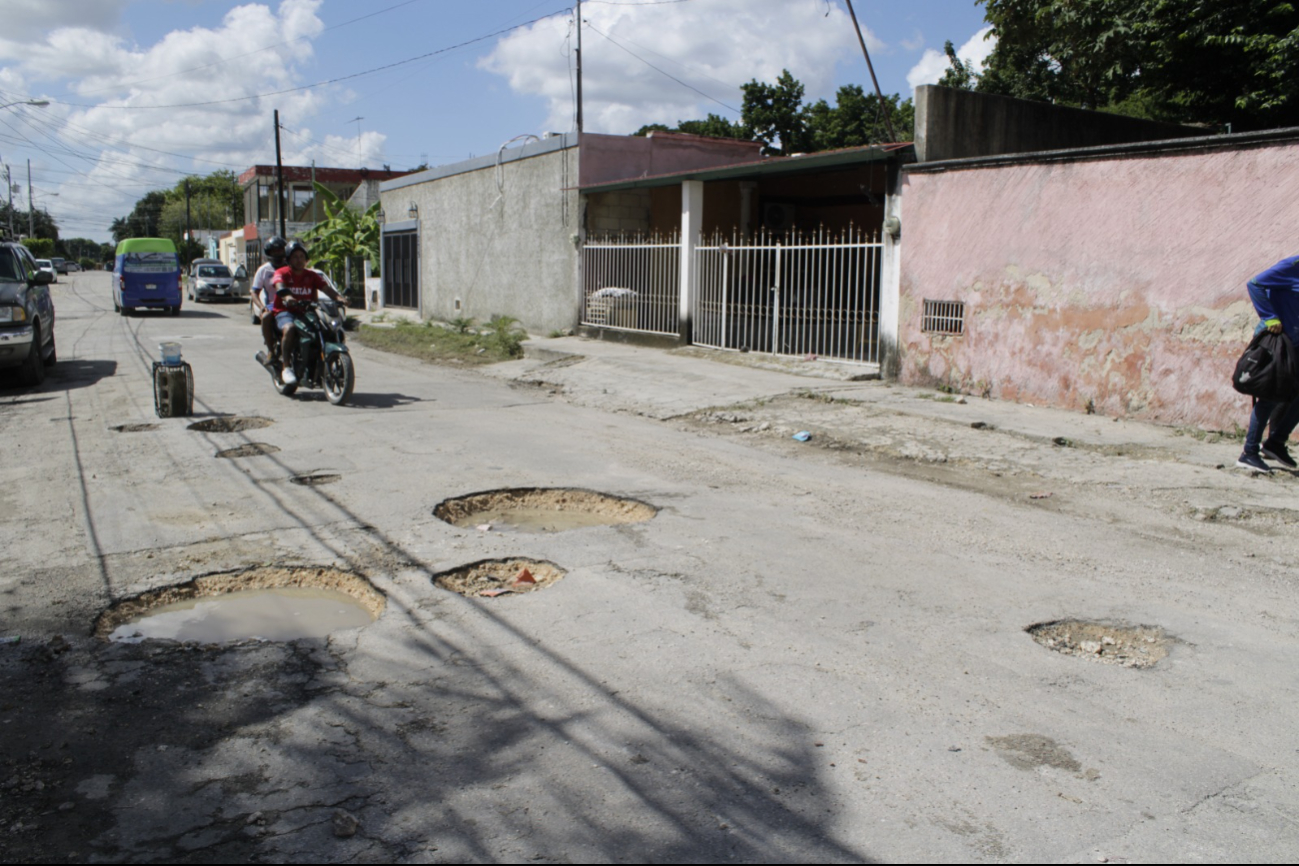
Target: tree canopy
775,115
216,201
1208,62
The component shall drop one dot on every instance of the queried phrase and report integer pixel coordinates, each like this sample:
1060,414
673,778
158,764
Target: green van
146,275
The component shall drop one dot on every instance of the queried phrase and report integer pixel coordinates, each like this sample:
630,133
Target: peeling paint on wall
1115,284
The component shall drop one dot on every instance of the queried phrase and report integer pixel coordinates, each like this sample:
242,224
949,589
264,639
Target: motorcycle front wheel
340,378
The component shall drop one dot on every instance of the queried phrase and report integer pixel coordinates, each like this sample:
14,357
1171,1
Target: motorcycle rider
261,290
294,287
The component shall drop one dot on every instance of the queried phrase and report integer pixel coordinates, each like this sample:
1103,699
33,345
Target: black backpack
1269,369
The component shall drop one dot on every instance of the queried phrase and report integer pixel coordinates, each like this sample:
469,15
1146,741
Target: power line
662,72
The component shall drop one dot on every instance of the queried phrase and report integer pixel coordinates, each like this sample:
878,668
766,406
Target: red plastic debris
493,593
524,578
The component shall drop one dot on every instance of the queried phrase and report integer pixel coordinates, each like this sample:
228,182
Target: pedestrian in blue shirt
1275,295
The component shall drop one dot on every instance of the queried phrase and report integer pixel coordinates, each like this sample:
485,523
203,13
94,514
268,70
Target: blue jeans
1279,418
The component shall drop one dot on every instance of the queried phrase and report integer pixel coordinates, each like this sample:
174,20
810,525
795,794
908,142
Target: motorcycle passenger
261,290
295,286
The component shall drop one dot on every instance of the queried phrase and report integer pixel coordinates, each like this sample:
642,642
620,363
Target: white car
47,265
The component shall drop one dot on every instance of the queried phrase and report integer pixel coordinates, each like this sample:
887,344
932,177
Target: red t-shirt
304,285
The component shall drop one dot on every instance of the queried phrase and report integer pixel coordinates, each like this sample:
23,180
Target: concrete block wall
501,241
1112,283
614,212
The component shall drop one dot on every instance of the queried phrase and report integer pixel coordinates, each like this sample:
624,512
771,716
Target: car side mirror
42,278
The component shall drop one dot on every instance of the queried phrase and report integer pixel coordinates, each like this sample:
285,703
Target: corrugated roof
772,165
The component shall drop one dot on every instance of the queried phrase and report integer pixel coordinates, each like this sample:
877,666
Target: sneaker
1279,454
290,379
1254,463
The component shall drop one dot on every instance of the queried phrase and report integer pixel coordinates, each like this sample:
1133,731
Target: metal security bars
797,294
632,282
401,270
943,317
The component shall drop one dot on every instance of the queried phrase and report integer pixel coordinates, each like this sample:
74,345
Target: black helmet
293,247
274,247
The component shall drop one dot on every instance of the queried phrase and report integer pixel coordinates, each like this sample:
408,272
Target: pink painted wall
1119,282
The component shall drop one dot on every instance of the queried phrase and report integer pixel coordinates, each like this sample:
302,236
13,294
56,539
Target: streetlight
36,103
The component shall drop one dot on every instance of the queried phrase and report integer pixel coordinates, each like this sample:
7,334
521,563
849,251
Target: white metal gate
794,294
632,282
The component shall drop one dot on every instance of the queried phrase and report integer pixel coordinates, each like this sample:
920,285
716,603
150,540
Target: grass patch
1212,436
458,343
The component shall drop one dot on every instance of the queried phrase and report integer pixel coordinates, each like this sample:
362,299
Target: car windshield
213,271
150,263
44,263
8,266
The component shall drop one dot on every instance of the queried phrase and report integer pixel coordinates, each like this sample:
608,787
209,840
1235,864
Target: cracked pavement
814,653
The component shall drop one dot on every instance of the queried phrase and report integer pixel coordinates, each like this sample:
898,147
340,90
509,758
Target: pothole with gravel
134,428
1136,646
252,449
231,424
314,480
271,604
542,509
492,578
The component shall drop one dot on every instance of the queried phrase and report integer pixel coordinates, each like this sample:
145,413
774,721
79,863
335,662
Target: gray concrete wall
957,124
501,241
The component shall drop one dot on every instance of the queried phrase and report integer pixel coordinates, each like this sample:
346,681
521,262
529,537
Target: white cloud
933,64
28,19
116,83
713,45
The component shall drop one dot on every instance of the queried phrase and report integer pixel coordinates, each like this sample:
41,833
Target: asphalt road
810,654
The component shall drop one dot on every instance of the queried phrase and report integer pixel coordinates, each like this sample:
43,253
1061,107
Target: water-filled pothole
277,604
314,480
496,577
541,509
1132,646
230,424
252,449
135,428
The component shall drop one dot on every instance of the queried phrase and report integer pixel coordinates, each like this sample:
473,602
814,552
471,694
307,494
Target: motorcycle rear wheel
340,378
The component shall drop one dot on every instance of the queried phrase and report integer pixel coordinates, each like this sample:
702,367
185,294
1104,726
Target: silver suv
26,315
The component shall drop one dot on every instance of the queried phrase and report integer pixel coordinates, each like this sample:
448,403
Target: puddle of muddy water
281,614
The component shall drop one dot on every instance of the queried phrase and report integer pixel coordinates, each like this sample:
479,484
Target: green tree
714,126
1209,62
344,233
46,226
774,113
42,248
959,75
857,119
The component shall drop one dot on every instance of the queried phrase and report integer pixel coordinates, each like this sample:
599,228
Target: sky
144,92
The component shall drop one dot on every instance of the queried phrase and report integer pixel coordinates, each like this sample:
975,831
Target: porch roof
901,152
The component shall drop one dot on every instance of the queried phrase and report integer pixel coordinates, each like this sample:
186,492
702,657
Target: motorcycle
321,358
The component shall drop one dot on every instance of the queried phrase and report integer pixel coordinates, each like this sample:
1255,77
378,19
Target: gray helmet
293,247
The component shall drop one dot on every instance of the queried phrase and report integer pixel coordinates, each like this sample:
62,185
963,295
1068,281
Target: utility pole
884,107
9,187
313,192
578,55
189,234
31,210
279,178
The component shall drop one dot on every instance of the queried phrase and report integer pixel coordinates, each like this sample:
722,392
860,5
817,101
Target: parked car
73,268
60,265
26,314
210,279
48,266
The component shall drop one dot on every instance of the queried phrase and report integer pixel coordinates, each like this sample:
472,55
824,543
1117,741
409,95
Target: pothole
273,604
135,428
252,449
1139,646
491,578
541,509
229,425
314,480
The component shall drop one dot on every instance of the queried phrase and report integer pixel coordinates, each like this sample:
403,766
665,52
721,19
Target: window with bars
943,317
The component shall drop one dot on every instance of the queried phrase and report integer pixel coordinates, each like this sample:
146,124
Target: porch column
890,310
692,217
